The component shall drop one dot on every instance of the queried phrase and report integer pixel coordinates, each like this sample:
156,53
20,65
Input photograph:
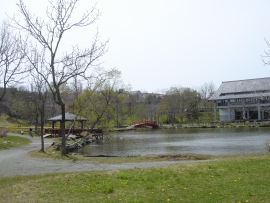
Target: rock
58,146
81,143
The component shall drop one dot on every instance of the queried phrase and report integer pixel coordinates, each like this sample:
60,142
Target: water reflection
201,141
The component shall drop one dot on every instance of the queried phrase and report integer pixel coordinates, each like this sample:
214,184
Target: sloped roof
242,89
68,117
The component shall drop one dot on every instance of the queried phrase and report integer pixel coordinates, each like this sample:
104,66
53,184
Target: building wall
232,115
224,115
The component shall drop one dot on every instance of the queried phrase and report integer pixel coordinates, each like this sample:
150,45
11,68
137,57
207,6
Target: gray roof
68,117
242,89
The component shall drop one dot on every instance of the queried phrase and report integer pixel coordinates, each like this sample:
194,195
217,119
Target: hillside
9,121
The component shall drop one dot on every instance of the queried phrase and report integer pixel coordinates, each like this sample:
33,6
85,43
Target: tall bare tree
206,91
49,34
12,53
40,87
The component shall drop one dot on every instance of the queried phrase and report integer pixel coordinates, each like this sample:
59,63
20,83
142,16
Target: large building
242,99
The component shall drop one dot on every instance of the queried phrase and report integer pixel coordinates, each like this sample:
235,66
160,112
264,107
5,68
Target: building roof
238,89
68,117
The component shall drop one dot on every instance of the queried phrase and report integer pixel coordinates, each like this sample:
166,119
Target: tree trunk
42,129
63,133
172,119
36,121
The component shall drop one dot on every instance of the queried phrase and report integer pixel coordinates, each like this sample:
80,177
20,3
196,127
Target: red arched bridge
152,124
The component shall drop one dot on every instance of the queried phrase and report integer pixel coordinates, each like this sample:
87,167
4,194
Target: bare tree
131,103
266,61
206,91
40,87
12,53
76,89
49,35
150,107
266,57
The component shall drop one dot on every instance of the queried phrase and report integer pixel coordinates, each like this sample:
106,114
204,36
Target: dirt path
16,161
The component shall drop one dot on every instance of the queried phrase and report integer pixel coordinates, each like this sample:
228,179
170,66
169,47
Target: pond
213,141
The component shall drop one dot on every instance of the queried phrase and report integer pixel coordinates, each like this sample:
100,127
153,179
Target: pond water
213,141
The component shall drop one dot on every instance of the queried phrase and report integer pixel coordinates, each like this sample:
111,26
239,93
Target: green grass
242,179
9,121
12,141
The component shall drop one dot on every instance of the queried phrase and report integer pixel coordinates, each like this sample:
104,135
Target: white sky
157,44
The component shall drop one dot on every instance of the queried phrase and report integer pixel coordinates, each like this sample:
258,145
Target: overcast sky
157,44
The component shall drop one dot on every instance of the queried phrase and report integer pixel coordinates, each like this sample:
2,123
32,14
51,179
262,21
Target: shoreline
17,161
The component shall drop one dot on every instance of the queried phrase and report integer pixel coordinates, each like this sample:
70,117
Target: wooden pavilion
56,131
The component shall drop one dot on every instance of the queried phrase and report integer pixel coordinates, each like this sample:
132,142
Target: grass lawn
243,178
12,141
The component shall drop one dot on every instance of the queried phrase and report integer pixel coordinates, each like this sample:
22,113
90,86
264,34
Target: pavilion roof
68,117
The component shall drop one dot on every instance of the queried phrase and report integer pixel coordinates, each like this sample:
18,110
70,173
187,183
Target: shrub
264,125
